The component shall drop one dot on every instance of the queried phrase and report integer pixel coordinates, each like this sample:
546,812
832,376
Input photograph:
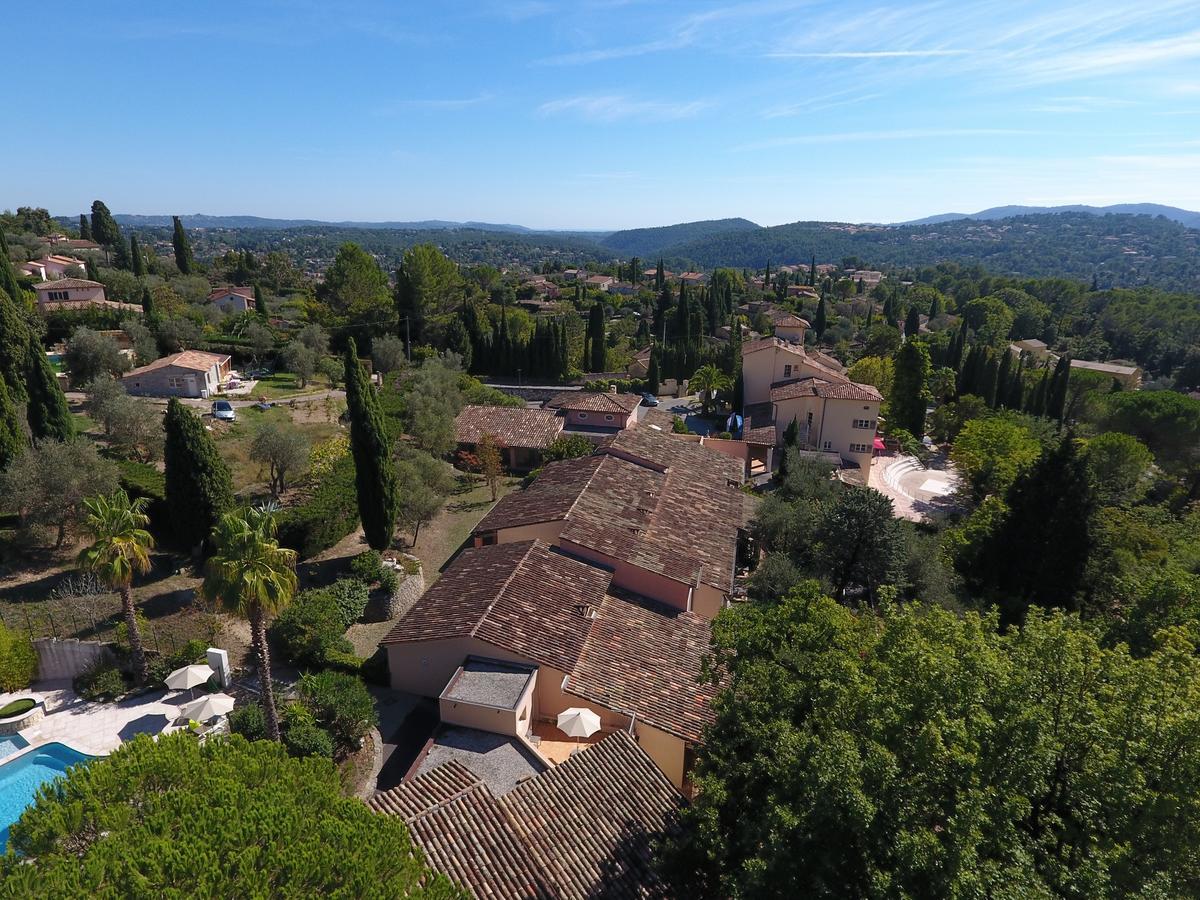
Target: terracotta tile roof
595,401
465,833
784,318
514,426
67,283
653,499
246,292
768,342
87,304
645,659
585,828
557,488
522,597
816,387
196,360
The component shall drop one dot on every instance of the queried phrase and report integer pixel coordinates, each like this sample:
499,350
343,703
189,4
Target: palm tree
251,576
707,381
120,549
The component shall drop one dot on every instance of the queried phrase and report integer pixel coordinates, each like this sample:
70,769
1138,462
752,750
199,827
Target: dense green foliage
225,818
342,704
326,516
374,474
311,632
18,660
199,487
910,395
919,753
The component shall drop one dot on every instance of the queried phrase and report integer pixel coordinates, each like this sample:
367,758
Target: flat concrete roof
489,682
500,762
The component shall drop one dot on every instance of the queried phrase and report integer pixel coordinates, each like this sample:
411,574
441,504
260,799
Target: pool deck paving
98,728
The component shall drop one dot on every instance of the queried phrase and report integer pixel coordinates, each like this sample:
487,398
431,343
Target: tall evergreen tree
46,409
1003,379
821,320
935,307
89,266
912,322
85,228
12,437
105,230
149,312
183,248
136,260
1016,387
910,393
812,272
653,381
660,277
14,347
260,303
1036,404
199,488
597,338
1056,396
8,275
991,377
374,472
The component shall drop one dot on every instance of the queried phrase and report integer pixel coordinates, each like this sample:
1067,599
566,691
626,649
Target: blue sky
603,113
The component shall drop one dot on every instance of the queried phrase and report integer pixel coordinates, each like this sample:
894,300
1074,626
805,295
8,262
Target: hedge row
326,517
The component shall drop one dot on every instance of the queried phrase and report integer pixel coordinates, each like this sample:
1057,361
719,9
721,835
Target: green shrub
326,517
310,629
17,708
367,566
343,662
308,740
141,480
100,681
249,721
568,446
341,703
192,653
374,669
18,660
389,581
351,597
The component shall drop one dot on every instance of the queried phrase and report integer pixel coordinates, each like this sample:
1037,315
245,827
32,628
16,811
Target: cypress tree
912,322
935,307
767,276
8,274
910,394
870,314
660,278
14,343
812,272
652,376
1036,404
821,321
596,338
183,248
858,286
791,441
149,311
12,437
105,230
374,474
1056,396
199,488
260,303
137,263
1016,387
991,373
47,411
1003,378
89,266
85,228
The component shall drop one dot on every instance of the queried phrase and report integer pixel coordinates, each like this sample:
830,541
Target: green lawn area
234,441
440,538
282,385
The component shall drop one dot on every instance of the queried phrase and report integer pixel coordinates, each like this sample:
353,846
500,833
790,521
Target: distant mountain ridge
649,242
197,220
1174,213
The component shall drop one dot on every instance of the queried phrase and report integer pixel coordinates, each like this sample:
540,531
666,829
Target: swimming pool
20,779
10,745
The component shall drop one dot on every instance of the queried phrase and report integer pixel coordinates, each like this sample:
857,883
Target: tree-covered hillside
1119,251
650,242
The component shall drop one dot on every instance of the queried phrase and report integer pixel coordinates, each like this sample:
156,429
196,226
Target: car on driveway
223,410
649,399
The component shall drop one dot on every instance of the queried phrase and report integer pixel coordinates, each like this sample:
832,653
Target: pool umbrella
189,677
578,722
207,707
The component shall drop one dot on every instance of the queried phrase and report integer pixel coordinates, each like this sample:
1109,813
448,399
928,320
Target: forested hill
197,220
650,242
1118,250
1182,216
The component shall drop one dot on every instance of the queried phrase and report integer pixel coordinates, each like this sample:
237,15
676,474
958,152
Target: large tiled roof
61,283
246,292
514,426
767,342
644,658
197,360
522,597
828,390
585,828
558,486
650,498
783,318
595,401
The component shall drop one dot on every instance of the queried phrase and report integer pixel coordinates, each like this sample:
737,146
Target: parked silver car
223,410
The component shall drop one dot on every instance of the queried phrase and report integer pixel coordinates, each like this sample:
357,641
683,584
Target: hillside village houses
191,373
232,299
53,266
76,293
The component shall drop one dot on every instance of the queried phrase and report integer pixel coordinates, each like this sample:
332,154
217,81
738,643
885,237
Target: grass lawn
438,540
234,440
282,385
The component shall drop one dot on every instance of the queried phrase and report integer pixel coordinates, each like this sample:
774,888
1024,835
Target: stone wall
387,608
63,660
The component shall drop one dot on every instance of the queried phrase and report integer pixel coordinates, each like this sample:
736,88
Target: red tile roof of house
828,390
522,597
559,485
196,360
646,658
782,318
67,283
246,292
595,401
513,426
582,829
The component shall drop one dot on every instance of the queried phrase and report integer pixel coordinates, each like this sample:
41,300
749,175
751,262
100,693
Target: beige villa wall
636,579
512,722
793,333
541,531
763,368
601,420
839,429
665,749
707,601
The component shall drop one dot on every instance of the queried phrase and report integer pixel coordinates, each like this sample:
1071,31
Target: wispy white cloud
818,104
446,103
1112,57
897,134
865,54
612,107
1080,104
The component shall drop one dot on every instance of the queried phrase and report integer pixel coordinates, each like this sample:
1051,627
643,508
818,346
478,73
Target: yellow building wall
665,749
541,531
707,601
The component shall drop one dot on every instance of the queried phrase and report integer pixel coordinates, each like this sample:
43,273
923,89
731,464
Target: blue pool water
10,745
20,779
